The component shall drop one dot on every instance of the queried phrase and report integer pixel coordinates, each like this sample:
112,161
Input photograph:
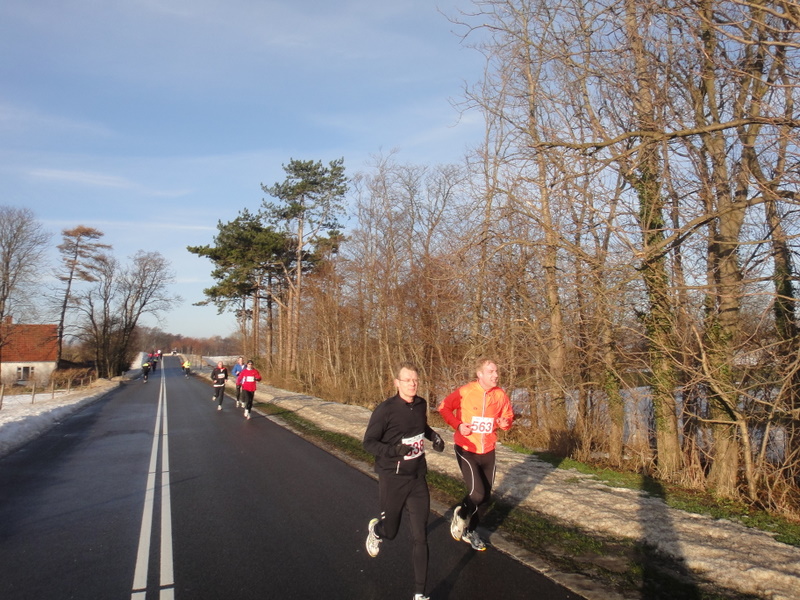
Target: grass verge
624,565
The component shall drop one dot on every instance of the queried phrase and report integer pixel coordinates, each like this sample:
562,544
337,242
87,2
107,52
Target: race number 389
417,444
482,425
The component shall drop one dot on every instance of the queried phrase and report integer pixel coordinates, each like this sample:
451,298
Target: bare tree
691,105
401,296
120,297
23,244
80,252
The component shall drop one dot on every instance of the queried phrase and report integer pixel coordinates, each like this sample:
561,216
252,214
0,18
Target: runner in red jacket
247,379
475,411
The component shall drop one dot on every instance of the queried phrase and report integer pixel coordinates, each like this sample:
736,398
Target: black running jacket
396,436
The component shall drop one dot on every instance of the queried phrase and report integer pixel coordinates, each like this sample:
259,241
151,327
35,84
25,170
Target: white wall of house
36,372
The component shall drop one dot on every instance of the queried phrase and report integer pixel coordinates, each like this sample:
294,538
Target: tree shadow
664,574
653,564
518,481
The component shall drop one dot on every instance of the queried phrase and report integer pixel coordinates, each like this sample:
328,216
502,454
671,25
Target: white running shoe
472,538
373,541
247,414
421,597
219,407
457,524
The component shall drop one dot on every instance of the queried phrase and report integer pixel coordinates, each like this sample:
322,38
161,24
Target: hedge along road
151,492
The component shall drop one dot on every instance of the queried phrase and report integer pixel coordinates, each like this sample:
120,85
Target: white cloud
16,119
103,181
80,177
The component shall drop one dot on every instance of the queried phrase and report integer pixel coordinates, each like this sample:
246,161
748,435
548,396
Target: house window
24,373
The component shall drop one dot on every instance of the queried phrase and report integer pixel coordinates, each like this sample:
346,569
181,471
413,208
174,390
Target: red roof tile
28,343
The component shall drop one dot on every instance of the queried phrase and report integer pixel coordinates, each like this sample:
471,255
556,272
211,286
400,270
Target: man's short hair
483,361
405,365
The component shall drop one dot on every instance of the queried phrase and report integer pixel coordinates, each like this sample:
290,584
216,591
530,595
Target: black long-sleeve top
393,422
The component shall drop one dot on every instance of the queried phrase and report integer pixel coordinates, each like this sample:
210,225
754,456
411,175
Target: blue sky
152,120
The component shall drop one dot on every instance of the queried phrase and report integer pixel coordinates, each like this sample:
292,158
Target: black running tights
478,471
412,494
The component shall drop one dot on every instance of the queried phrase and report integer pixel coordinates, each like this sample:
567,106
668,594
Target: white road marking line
167,579
167,575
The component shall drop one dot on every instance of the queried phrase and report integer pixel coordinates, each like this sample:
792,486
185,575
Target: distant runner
247,379
219,375
145,370
238,368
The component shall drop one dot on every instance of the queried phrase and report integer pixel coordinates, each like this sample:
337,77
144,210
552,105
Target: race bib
482,425
220,375
417,444
250,378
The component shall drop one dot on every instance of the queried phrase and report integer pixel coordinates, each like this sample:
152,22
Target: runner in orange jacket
475,411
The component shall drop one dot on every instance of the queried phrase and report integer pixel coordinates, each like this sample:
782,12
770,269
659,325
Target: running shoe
457,524
373,541
472,538
247,414
421,597
219,407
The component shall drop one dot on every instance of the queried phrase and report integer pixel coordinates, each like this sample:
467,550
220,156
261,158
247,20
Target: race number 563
482,425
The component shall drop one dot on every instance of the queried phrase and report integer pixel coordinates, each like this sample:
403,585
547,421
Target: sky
153,120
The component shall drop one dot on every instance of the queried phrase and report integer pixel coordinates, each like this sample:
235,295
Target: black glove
438,442
402,449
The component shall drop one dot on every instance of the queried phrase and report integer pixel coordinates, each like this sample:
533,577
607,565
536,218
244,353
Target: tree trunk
659,321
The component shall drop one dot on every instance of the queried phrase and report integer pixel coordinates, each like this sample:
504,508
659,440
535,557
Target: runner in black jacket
219,375
396,435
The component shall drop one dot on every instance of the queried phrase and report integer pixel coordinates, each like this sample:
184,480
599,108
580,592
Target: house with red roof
28,353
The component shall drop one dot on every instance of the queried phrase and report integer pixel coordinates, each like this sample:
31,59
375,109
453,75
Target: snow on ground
23,417
22,420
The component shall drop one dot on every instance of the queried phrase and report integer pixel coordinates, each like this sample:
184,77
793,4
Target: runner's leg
477,492
392,494
418,505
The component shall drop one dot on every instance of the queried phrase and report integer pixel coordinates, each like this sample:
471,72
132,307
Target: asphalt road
153,493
